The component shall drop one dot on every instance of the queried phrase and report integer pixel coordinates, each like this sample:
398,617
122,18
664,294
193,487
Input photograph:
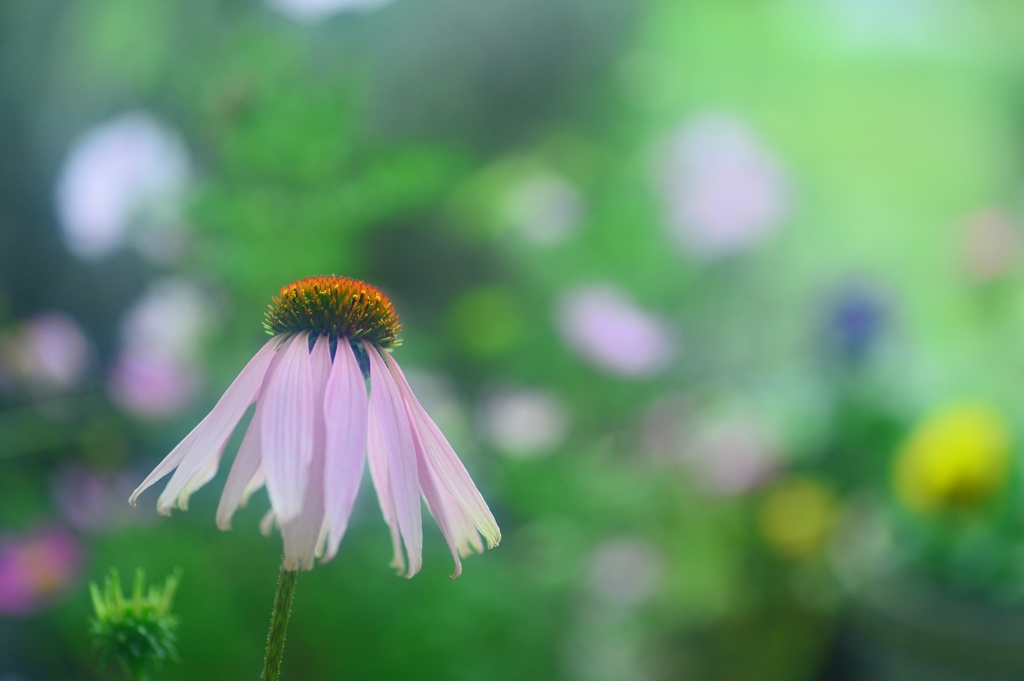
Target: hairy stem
279,624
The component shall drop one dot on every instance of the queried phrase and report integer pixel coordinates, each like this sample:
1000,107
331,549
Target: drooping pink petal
243,470
207,440
388,415
200,478
246,475
452,480
321,543
286,434
439,507
345,411
255,484
302,533
456,525
267,523
377,453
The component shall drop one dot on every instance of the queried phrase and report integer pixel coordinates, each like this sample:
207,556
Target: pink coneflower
313,423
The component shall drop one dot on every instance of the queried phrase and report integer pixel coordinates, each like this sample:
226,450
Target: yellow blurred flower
797,517
957,458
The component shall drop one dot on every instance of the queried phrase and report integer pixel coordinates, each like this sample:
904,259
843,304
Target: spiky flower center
336,307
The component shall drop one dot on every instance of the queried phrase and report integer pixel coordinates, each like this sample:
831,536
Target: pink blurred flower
604,326
156,373
991,245
722,192
151,386
314,426
130,172
48,353
35,567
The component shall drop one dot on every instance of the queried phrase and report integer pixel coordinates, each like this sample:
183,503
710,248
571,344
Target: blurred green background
720,302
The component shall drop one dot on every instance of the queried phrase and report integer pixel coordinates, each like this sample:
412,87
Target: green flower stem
279,624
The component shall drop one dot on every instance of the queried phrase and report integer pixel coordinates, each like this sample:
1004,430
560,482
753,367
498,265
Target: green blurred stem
279,624
136,672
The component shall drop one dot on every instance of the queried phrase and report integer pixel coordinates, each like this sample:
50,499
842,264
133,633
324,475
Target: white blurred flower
603,643
666,427
728,453
317,10
127,175
608,329
523,421
626,570
544,208
901,26
171,318
732,456
156,372
722,192
48,352
865,545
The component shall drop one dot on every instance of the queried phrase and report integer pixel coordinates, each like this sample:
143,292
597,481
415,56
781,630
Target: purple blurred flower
605,327
49,352
722,192
130,172
318,10
35,567
854,322
91,501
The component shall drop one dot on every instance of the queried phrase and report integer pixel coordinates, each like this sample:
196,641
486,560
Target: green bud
138,632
